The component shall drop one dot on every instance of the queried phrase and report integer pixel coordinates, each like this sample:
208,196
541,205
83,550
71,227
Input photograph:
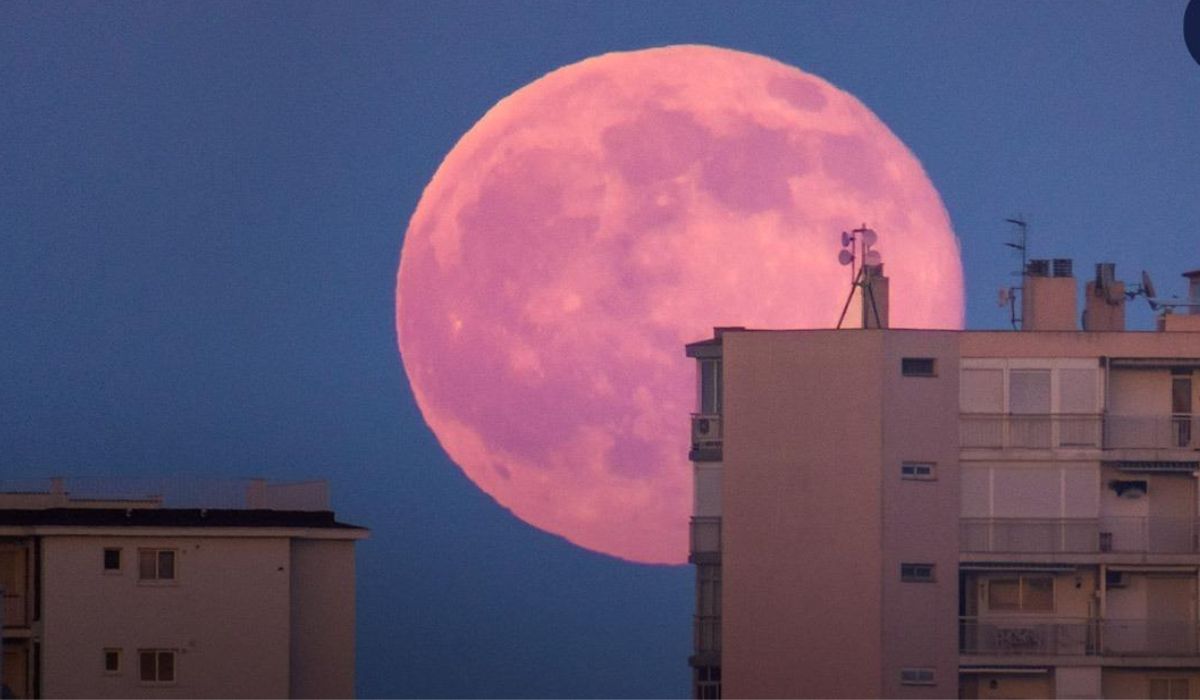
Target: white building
126,598
980,514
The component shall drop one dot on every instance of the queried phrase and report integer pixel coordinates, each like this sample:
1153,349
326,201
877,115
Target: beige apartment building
127,597
935,514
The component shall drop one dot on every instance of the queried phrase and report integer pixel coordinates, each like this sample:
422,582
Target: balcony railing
1078,430
1162,431
706,431
1050,636
705,534
1154,535
707,633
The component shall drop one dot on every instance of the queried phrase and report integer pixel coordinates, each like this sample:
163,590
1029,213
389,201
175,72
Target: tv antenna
1008,295
856,252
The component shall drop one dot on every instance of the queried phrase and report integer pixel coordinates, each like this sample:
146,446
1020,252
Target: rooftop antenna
1166,306
1009,295
862,239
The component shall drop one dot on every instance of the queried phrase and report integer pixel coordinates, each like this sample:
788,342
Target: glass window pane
981,391
1038,593
1004,594
166,665
112,559
147,665
147,568
1029,391
166,564
1181,395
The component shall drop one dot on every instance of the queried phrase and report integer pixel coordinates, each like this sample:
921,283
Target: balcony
707,634
1149,535
1049,636
706,437
1078,430
705,536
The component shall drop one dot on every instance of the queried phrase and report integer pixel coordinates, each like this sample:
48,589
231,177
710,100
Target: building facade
916,513
128,598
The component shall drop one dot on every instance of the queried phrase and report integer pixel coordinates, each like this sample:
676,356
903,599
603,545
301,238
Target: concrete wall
920,518
802,506
322,619
226,615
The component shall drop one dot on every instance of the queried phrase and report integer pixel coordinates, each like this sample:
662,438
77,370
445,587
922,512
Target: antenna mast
1022,245
862,239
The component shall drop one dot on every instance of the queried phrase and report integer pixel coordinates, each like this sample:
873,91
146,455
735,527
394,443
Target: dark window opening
918,367
112,559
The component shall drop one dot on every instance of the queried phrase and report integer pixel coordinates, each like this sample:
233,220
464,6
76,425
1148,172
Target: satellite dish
845,257
1148,286
847,239
869,237
873,258
1003,297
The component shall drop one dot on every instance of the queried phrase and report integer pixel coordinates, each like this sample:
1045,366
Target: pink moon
599,218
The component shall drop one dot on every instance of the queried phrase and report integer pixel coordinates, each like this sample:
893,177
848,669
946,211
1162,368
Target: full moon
599,218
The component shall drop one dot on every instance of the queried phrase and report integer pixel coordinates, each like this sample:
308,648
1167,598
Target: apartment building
129,597
982,514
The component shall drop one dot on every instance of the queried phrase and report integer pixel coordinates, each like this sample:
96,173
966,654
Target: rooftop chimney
875,297
1048,301
1104,302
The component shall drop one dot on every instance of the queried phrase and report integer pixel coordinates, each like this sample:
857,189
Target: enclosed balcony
1078,431
1064,636
1151,535
706,437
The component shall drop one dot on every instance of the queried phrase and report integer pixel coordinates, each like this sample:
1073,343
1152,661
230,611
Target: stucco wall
322,619
226,615
801,514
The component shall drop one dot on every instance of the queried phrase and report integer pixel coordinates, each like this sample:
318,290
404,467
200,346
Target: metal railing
1028,636
705,534
176,491
1161,431
1051,636
1078,430
1154,535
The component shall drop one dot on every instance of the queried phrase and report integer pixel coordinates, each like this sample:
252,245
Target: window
918,367
1021,593
916,676
1169,688
156,564
710,386
919,471
112,559
112,660
157,665
708,682
917,573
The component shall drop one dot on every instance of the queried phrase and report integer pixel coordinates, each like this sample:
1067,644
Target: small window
918,367
919,471
916,676
112,660
157,665
917,573
156,564
1021,594
112,559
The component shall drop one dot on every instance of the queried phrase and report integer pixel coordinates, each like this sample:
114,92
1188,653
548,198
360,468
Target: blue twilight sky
202,207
